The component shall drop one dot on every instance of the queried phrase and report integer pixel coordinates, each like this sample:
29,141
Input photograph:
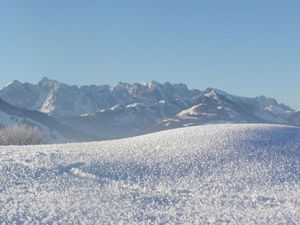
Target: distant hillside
56,131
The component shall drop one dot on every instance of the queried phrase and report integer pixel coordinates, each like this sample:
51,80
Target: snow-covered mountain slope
122,121
215,174
215,106
60,100
56,131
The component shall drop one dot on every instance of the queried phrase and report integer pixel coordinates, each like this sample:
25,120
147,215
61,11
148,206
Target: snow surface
215,174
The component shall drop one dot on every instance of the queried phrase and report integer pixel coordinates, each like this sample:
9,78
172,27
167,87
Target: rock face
131,109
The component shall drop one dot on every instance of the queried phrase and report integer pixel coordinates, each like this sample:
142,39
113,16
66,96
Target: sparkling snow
216,174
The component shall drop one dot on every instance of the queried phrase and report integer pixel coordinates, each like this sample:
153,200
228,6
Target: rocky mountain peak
14,83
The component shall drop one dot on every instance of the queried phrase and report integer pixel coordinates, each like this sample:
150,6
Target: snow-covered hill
214,174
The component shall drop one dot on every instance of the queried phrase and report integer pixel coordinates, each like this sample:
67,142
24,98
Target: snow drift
241,174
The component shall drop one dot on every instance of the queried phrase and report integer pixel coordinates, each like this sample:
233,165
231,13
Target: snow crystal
218,174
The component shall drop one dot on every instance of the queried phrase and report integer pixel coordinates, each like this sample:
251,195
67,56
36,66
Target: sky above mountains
245,47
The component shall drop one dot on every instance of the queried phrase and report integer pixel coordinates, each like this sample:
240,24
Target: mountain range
100,112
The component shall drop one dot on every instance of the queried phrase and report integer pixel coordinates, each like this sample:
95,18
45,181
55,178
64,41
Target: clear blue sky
243,47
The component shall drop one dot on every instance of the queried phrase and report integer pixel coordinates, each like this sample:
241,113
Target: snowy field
216,174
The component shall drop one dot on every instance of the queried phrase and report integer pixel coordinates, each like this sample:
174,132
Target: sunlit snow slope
240,174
